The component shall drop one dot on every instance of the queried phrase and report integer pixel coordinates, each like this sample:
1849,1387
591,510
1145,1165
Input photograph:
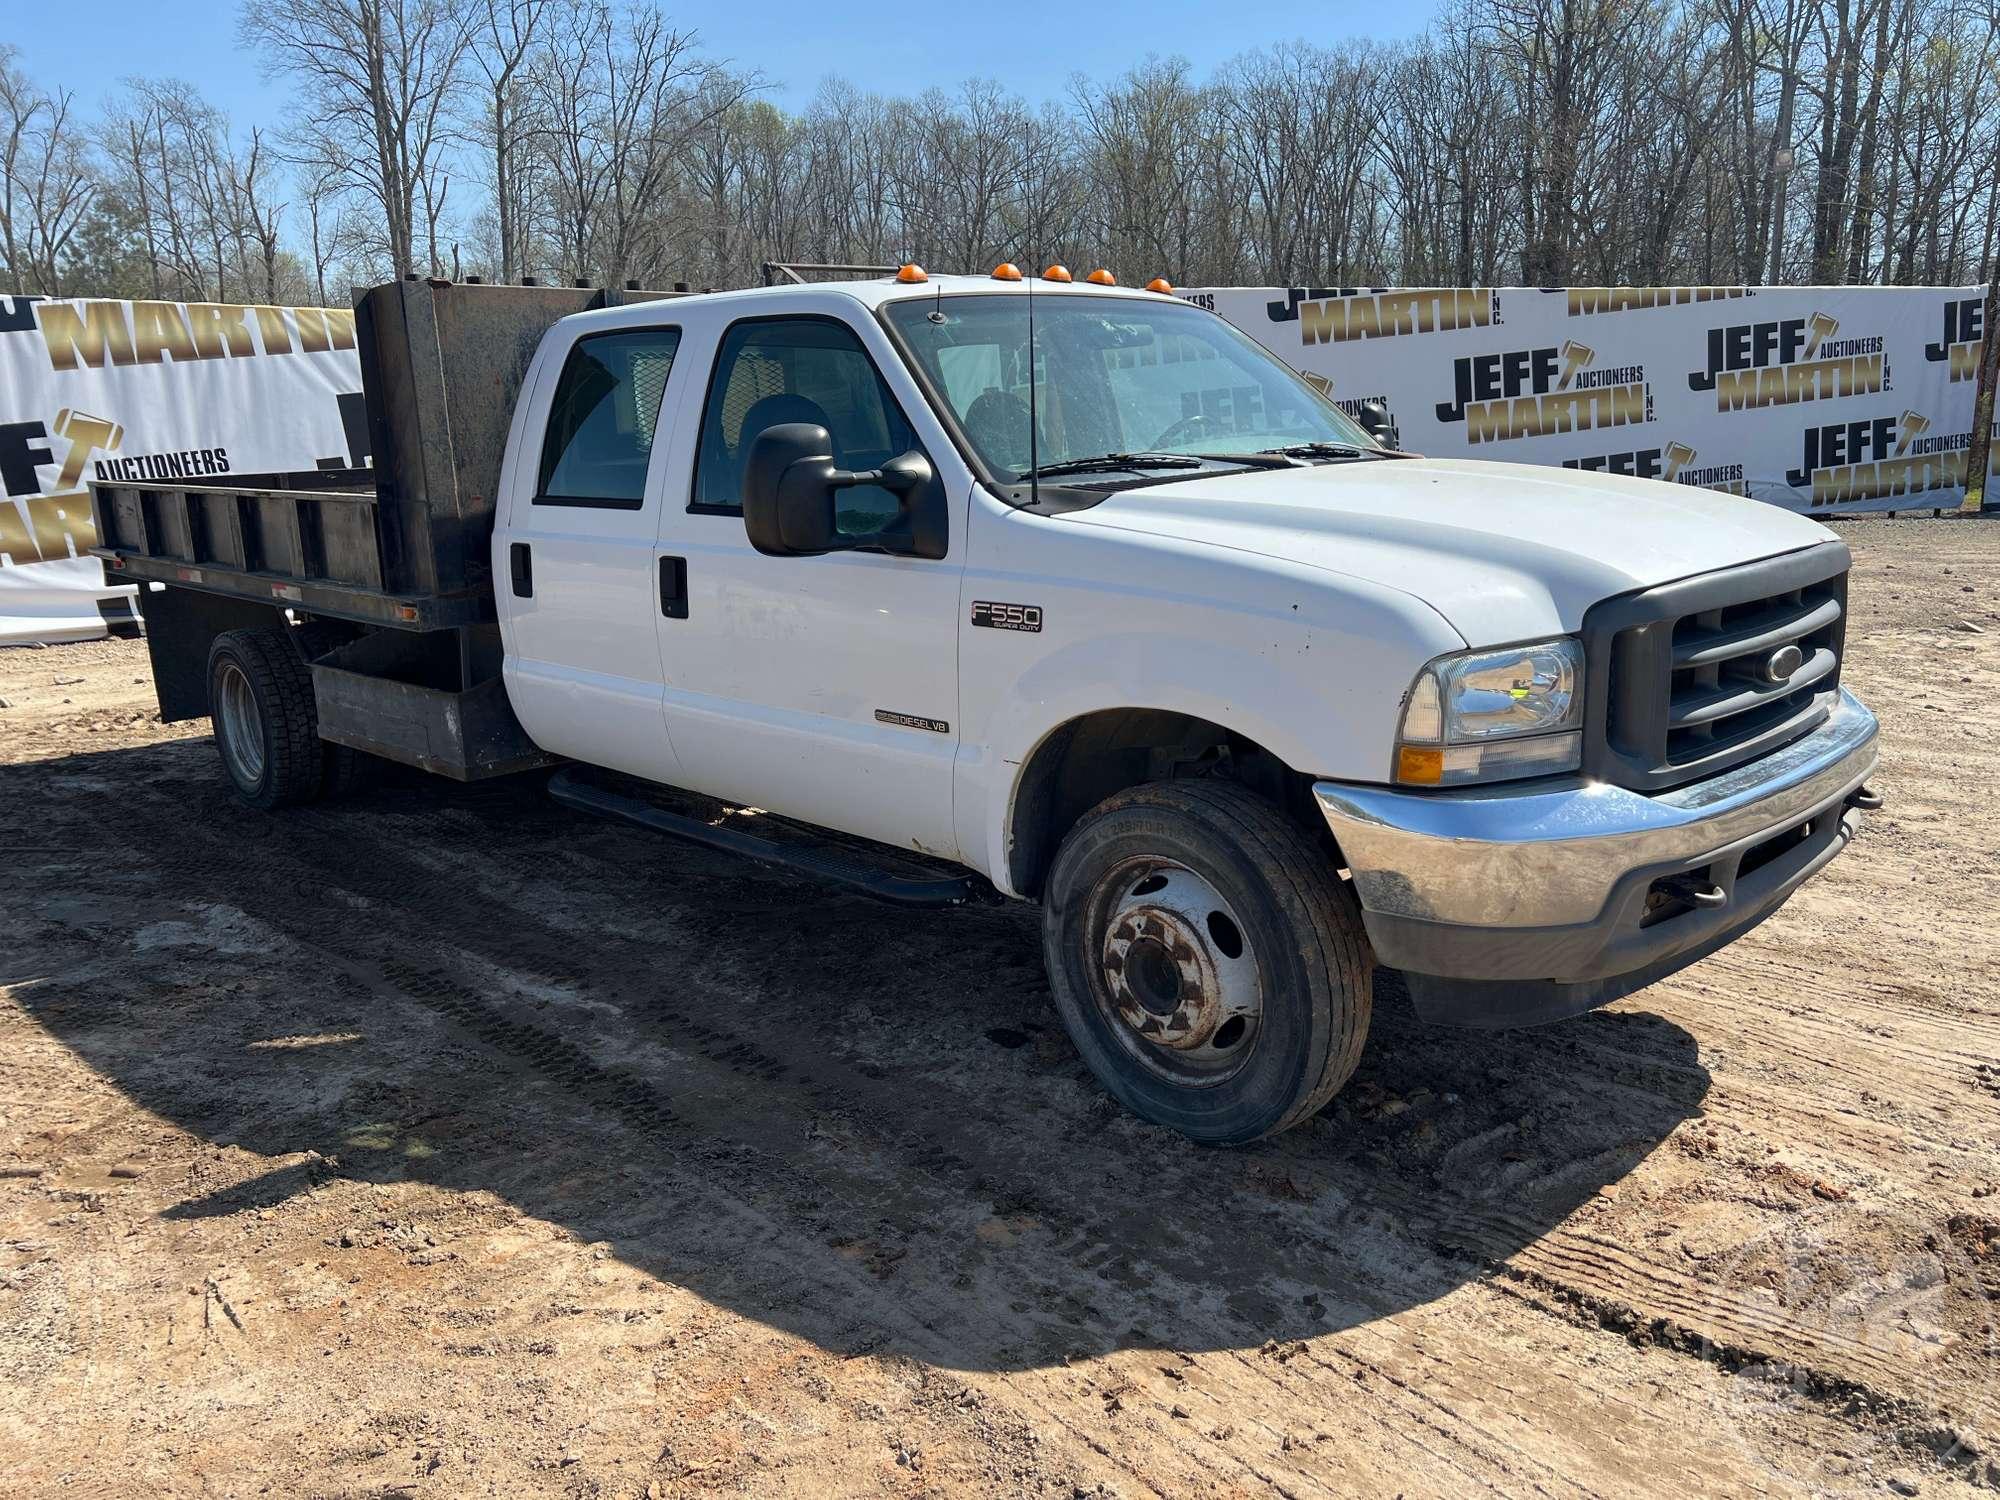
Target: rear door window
603,418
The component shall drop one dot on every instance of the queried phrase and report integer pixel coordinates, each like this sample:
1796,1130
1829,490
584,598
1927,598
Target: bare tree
376,80
21,105
259,220
622,99
1649,141
47,181
505,37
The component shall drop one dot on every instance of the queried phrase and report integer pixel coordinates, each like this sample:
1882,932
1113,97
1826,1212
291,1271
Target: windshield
1112,376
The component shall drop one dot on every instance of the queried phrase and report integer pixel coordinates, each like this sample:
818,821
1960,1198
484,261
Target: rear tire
1207,961
265,721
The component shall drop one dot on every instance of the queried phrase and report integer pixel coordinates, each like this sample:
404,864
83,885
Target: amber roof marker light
1101,277
1006,271
1057,272
1160,284
911,274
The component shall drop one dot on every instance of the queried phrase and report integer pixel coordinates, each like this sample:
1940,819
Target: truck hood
1502,551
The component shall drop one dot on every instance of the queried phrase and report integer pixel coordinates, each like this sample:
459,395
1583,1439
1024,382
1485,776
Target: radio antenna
1034,425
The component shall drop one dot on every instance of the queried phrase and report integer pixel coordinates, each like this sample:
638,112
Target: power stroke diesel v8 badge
993,616
911,721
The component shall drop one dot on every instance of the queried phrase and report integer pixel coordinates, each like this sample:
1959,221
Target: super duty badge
993,616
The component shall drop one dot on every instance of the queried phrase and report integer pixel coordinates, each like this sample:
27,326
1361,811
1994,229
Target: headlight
1494,716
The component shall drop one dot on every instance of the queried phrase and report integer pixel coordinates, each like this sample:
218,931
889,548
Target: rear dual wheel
266,722
1207,961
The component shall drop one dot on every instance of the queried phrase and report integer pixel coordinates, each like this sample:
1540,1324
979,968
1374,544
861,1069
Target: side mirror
789,484
1373,415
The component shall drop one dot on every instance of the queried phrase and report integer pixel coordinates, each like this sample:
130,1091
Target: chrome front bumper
1556,885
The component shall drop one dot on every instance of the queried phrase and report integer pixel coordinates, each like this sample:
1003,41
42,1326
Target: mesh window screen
602,418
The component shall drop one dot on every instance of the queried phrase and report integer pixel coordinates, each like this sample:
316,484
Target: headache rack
800,272
1693,677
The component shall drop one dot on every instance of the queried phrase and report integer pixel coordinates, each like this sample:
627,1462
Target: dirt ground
444,1142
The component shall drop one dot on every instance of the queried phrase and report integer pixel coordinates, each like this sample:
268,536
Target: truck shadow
859,1124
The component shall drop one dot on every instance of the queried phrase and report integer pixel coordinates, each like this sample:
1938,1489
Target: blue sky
794,43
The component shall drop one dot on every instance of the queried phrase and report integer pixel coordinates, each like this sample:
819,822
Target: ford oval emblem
1782,663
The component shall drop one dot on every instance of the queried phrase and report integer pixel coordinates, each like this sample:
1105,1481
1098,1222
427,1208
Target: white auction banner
179,392
1819,399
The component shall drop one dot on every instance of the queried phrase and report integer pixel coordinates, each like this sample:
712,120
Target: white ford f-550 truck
1065,585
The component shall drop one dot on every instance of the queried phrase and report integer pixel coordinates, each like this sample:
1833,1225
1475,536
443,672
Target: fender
1341,731
1310,664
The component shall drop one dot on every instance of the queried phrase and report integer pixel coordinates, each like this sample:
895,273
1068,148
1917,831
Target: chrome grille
1693,677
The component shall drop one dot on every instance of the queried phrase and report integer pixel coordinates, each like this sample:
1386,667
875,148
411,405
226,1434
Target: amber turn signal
1420,765
1057,273
911,274
1101,277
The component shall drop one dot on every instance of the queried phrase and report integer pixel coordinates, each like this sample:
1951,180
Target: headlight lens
1494,715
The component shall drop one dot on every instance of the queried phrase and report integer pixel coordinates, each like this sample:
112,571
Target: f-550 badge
993,616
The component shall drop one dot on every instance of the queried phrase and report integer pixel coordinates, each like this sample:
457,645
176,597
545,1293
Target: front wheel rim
1173,974
241,723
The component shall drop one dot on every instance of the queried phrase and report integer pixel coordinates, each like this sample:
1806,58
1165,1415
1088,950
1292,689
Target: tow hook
1864,798
1683,888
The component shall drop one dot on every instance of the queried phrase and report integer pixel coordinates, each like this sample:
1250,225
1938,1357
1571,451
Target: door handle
522,567
674,587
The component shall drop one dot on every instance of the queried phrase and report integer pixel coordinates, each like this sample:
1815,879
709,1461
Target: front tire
266,723
1206,960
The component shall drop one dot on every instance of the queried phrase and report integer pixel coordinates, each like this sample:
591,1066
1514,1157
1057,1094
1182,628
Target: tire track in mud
887,1116
922,1319
1789,1109
1089,1251
1626,1288
1093,1251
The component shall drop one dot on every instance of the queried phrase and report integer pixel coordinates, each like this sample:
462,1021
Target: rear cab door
573,561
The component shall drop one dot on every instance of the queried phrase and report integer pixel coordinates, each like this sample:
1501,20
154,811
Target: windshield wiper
1323,450
1270,458
1103,461
1264,458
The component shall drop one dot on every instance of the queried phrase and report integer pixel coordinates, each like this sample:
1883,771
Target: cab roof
880,289
875,291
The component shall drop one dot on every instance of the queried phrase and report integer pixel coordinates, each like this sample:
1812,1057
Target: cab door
573,560
824,688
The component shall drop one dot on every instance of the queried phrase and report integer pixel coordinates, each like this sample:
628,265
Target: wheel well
182,623
1089,758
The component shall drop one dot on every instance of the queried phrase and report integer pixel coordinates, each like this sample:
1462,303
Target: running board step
824,864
